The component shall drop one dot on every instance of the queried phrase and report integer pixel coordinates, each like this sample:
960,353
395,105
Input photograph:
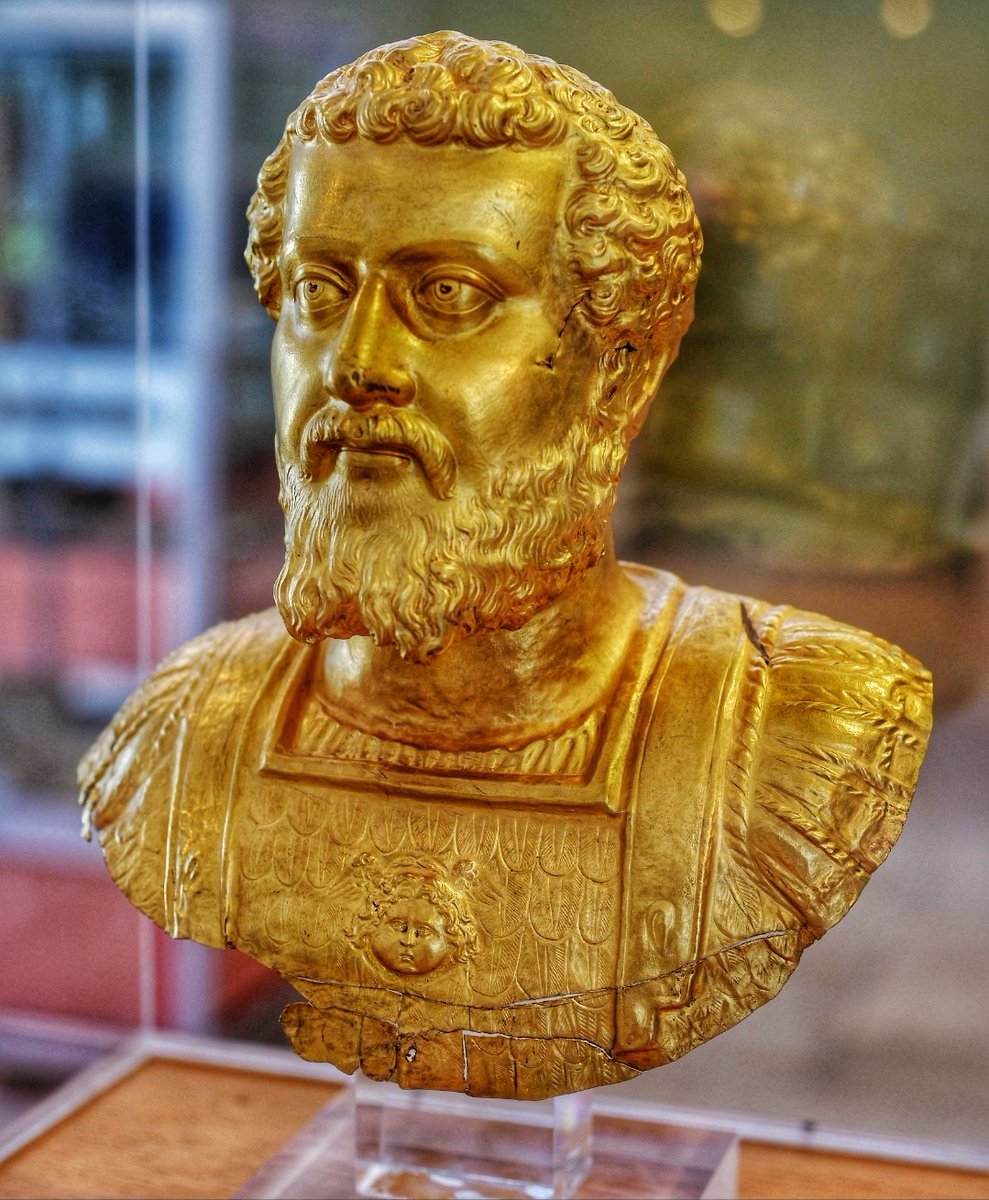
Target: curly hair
635,238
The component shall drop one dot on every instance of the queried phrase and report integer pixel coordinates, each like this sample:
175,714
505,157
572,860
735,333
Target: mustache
397,431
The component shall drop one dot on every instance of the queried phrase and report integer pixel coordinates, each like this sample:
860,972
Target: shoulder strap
684,739
150,777
846,724
823,738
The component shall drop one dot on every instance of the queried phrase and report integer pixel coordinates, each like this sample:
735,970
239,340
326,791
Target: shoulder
811,689
128,778
146,726
780,758
697,620
841,727
813,731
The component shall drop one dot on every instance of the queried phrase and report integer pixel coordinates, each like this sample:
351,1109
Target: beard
453,567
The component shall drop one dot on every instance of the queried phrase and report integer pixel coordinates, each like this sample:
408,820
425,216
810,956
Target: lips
391,432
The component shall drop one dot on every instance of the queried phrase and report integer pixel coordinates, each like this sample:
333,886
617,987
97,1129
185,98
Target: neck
505,688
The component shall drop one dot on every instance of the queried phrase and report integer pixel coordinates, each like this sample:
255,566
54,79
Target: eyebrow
320,248
314,246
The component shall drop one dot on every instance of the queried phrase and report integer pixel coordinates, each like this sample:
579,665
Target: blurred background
822,441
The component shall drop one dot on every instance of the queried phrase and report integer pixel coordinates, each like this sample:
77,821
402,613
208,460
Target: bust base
380,1141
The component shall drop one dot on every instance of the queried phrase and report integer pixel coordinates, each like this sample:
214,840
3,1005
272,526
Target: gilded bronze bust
515,818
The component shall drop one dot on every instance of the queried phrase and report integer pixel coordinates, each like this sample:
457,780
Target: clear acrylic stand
377,1140
435,1144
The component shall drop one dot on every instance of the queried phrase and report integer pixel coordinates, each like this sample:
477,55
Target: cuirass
534,845
592,904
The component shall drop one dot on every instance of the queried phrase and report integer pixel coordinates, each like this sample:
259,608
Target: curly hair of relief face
458,925
635,240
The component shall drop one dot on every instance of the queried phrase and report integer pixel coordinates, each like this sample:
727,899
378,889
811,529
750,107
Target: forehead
384,198
415,906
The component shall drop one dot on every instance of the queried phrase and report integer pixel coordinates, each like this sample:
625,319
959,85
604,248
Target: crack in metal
562,996
752,635
549,362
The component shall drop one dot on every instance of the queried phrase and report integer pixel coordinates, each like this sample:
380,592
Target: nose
366,365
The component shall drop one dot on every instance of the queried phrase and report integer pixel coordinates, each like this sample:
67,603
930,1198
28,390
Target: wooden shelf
784,1173
170,1129
183,1128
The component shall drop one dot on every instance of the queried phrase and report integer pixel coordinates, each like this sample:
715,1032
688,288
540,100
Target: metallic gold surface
515,819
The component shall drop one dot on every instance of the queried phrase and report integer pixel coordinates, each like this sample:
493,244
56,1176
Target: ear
631,378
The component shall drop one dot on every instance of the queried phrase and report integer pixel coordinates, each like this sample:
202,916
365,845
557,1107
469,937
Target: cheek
437,947
525,410
383,938
295,383
489,375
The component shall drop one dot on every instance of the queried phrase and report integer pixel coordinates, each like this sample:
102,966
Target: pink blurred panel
30,621
250,578
68,940
243,979
100,586
100,604
62,608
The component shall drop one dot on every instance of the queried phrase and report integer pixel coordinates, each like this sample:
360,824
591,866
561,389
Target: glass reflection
827,402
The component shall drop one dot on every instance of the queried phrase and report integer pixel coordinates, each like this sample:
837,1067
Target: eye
316,294
456,293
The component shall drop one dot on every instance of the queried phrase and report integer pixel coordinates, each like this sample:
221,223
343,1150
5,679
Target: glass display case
111,341
822,440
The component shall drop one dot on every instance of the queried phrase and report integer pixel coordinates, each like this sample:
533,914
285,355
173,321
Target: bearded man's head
507,515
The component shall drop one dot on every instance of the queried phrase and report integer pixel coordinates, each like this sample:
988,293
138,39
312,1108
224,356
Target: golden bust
515,818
